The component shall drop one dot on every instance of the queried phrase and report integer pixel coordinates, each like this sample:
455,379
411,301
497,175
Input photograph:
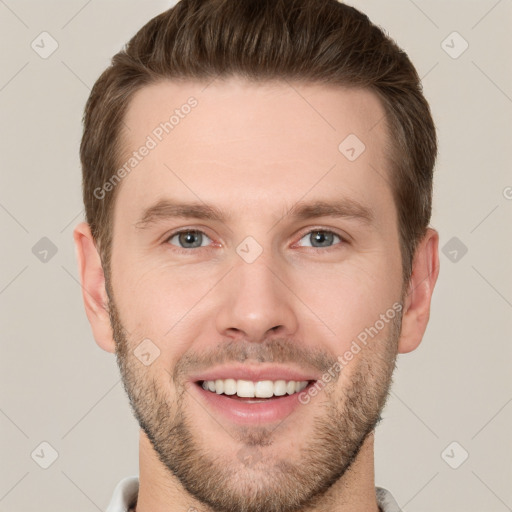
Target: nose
256,302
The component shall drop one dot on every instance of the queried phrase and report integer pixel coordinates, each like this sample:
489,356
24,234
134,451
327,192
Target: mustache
280,350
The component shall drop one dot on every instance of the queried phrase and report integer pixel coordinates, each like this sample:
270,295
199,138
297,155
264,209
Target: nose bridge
255,299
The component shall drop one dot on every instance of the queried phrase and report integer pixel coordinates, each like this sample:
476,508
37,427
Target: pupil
188,238
322,237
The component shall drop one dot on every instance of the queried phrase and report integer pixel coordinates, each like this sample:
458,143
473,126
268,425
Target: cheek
333,301
161,303
349,299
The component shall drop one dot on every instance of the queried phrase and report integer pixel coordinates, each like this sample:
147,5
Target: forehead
251,146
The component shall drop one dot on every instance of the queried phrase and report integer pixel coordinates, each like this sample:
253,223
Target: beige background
58,387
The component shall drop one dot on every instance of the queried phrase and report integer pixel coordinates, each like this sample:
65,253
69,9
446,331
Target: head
298,135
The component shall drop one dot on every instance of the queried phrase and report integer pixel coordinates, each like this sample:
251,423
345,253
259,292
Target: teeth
250,389
230,387
280,387
264,389
245,388
219,386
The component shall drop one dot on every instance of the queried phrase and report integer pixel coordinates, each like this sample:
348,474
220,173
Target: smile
249,389
246,402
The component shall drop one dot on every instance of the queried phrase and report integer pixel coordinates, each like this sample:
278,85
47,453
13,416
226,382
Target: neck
161,491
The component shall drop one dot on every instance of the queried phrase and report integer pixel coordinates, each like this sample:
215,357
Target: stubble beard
261,480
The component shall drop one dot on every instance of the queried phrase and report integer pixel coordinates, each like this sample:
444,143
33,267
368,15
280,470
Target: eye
319,238
188,239
195,239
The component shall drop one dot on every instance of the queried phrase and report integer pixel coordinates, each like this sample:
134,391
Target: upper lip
254,373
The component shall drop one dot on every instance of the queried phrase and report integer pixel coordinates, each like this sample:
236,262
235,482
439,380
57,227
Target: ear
94,292
416,313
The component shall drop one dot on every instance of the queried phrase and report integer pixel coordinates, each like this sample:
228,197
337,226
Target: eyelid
168,237
344,238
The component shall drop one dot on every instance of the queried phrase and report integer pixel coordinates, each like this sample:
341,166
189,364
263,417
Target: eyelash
343,240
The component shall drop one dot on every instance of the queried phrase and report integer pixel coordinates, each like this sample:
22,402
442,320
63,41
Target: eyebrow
168,209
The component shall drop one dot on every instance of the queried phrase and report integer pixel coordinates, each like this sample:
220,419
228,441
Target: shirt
126,491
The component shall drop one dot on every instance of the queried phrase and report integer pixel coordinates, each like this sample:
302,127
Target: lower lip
245,412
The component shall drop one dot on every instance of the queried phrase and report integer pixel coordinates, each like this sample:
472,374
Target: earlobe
94,293
417,301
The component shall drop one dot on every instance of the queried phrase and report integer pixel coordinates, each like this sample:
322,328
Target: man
257,183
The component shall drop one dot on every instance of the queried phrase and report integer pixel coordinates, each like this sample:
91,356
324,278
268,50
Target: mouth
259,391
252,402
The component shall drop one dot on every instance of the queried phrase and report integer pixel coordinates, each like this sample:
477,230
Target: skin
254,151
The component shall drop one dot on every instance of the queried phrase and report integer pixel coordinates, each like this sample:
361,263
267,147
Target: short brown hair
308,41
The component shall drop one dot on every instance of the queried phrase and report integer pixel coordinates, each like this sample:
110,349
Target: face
249,252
